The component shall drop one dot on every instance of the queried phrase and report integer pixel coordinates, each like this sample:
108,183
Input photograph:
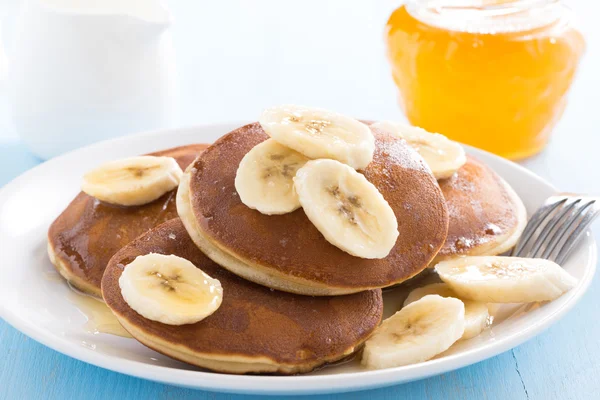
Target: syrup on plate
99,317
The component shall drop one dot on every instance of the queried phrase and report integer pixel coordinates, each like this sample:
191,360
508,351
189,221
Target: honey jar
492,74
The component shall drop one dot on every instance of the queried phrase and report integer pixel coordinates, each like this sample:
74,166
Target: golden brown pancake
287,252
486,215
89,232
255,329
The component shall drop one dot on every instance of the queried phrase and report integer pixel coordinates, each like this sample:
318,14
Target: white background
236,57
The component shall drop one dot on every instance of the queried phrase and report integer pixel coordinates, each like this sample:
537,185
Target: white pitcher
87,70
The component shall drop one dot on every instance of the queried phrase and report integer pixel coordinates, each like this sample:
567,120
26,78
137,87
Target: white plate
39,305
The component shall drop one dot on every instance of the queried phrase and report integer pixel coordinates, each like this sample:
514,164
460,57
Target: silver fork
556,226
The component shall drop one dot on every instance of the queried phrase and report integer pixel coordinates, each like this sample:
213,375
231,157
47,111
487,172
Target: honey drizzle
99,317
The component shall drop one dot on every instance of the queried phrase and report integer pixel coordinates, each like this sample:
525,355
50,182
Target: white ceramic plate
38,304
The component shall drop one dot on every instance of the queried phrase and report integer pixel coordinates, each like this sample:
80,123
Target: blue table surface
561,363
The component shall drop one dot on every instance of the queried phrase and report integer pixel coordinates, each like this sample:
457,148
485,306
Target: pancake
487,217
255,329
286,252
89,232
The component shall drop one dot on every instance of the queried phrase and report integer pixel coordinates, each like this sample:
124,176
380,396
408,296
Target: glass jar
492,74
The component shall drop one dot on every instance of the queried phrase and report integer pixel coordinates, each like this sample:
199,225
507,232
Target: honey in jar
492,74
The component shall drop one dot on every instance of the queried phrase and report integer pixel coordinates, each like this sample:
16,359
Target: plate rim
300,384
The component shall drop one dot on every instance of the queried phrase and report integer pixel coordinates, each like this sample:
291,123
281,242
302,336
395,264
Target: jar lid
487,16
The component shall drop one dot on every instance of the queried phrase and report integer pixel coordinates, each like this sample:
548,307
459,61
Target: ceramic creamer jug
88,70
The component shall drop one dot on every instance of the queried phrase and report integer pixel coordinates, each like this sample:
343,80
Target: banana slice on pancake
265,178
169,289
132,181
416,333
495,279
476,313
346,208
443,156
318,133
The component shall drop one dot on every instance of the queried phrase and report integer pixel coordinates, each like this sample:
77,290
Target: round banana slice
443,156
265,178
169,289
495,279
476,313
416,333
346,208
318,133
132,181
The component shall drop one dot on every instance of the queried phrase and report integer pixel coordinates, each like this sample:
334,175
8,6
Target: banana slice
417,333
505,279
346,208
265,178
169,289
476,313
443,156
320,133
132,181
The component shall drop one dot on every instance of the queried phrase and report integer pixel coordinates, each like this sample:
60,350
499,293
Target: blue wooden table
561,363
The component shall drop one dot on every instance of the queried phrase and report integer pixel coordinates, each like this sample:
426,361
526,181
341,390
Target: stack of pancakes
292,301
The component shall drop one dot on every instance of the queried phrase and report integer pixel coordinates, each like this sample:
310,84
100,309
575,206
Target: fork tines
553,230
